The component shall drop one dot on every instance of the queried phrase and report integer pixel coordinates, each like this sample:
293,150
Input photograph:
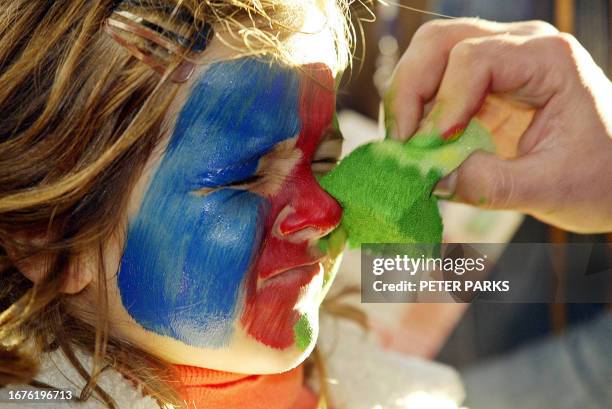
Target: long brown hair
79,117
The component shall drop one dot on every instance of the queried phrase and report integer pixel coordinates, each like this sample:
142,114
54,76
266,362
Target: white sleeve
362,375
57,371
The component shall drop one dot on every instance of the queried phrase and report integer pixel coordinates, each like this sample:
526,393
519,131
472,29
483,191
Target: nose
311,209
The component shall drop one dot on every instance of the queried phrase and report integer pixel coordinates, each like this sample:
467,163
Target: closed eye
328,152
239,185
272,171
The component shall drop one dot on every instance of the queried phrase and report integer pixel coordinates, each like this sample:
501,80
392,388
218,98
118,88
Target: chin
244,354
262,359
290,334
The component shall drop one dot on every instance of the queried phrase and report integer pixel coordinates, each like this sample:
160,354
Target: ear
80,273
36,267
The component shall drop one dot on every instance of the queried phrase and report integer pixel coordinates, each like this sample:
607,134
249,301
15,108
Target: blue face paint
187,255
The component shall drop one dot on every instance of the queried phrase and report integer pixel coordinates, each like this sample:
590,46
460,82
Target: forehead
314,44
236,112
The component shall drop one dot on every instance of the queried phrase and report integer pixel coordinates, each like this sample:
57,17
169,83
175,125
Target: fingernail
386,122
440,119
397,133
445,189
431,122
453,132
389,120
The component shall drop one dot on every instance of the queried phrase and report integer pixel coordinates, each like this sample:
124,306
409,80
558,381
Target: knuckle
465,50
502,188
500,193
430,30
561,44
562,49
445,30
540,27
558,57
472,24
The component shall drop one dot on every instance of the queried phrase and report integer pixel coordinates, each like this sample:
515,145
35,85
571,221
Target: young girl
160,218
158,197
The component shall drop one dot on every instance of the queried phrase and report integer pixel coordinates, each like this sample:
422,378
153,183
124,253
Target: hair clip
161,42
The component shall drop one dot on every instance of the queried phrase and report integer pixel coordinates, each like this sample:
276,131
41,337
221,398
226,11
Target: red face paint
300,213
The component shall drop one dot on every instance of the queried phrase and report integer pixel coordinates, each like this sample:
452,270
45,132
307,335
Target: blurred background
461,335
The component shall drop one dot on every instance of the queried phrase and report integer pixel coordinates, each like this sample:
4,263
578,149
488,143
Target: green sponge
385,187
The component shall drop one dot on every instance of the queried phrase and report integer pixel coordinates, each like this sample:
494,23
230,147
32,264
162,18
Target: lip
275,308
305,267
279,256
299,275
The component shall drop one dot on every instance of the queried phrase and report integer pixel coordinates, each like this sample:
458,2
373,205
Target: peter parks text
424,276
485,272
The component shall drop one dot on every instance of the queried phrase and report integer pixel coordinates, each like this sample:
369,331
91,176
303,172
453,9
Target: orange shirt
205,388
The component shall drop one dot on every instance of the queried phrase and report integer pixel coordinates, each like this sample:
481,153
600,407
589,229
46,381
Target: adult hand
560,166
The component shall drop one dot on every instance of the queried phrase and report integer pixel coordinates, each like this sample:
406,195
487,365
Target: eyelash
245,182
320,165
324,160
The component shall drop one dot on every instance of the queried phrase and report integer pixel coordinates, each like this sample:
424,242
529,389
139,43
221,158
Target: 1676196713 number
39,395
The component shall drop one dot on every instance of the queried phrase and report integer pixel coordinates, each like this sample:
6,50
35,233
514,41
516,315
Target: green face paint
303,333
385,187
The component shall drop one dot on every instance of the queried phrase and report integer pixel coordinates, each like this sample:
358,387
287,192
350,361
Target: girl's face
221,267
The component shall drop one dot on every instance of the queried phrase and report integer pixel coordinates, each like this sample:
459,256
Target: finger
486,180
529,70
420,70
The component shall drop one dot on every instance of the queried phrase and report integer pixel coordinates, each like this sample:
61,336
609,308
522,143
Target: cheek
186,260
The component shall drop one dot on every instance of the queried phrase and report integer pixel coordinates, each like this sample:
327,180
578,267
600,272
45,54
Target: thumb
488,181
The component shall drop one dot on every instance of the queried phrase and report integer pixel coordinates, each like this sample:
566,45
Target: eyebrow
332,134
